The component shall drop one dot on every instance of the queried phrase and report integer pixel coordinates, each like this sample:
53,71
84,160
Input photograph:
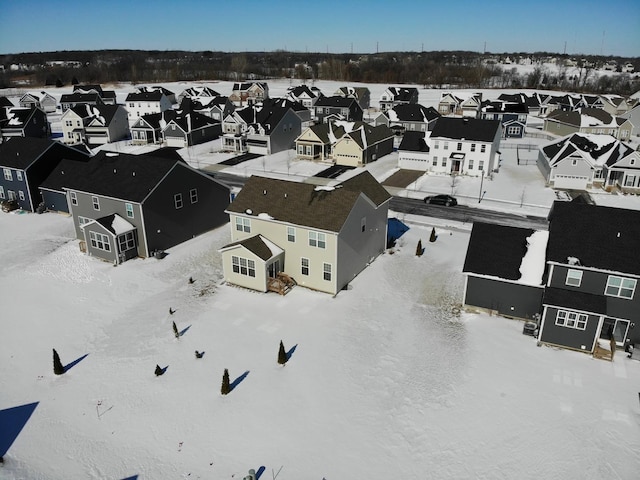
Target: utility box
530,328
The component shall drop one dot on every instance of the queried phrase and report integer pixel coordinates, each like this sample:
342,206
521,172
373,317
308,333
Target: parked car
9,205
446,200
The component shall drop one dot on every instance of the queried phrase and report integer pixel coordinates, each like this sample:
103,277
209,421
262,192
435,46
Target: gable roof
412,112
103,114
113,223
267,113
5,102
499,251
367,135
413,141
81,97
584,117
402,94
18,117
599,237
122,176
20,152
597,149
304,204
466,129
336,101
258,245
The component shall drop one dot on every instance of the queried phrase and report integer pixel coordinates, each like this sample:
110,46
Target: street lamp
481,181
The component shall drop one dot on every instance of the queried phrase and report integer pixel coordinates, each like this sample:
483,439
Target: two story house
42,100
408,117
316,142
322,237
328,109
512,116
87,95
394,96
464,146
147,100
303,94
593,271
461,104
363,145
24,122
26,163
361,94
248,93
197,93
94,124
126,206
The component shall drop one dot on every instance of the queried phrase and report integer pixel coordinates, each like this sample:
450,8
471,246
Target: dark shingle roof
122,176
368,135
335,101
466,128
305,204
256,245
575,300
600,237
5,102
78,97
20,152
413,141
414,112
496,250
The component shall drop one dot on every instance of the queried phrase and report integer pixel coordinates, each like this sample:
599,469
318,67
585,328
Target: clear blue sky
610,27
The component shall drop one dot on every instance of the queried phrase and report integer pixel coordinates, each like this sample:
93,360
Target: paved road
463,213
460,213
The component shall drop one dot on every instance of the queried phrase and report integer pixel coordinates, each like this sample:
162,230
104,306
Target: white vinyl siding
243,266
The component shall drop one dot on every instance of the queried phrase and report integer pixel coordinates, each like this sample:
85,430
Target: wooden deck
605,349
281,284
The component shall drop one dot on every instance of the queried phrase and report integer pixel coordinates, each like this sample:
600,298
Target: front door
618,328
273,269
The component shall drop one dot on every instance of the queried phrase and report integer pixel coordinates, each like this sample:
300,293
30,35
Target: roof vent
264,192
134,174
618,236
114,170
285,195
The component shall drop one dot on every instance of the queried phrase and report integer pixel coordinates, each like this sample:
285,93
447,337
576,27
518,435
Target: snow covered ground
388,379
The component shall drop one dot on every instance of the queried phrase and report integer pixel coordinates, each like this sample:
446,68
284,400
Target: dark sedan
446,200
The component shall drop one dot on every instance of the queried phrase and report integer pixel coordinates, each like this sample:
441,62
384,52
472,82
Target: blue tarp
395,229
12,420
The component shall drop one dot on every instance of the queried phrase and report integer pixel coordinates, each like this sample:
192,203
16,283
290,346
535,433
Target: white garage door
572,182
175,142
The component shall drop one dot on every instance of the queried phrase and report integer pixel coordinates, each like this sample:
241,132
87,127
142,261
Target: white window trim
177,201
305,263
620,287
569,319
574,277
317,239
129,209
7,174
96,203
291,234
243,266
243,224
193,195
74,198
98,239
327,271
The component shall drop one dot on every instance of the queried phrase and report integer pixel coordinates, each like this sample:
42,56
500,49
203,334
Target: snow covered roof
114,223
597,150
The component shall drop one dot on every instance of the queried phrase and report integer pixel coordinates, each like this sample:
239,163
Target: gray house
593,271
24,122
126,206
337,108
504,269
26,163
322,237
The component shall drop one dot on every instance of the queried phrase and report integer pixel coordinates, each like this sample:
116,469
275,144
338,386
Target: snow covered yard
388,379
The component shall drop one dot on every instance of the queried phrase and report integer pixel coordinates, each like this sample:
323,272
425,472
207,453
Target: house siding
259,282
569,337
109,256
356,249
508,299
166,226
55,201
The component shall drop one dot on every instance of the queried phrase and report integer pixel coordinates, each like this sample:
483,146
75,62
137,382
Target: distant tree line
438,69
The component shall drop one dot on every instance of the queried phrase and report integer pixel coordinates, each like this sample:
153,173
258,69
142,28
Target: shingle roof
413,112
20,152
335,101
78,97
5,102
323,208
413,141
122,176
575,300
367,135
600,237
466,128
255,244
496,250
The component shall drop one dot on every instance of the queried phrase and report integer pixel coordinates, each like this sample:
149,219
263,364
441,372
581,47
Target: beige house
320,237
363,145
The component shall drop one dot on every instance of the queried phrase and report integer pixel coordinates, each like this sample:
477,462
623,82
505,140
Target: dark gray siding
569,337
595,283
284,135
55,201
166,226
509,299
109,256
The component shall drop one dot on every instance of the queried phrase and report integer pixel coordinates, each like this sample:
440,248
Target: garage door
175,142
570,182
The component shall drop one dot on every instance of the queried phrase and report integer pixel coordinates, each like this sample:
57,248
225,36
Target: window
473,147
193,195
317,239
243,266
574,162
436,144
326,271
100,241
7,174
571,319
459,146
74,198
446,145
291,234
129,208
620,287
96,203
83,220
513,130
20,194
435,161
363,224
19,175
483,148
177,200
471,164
127,241
481,165
243,224
1,192
304,266
630,181
574,278
444,161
